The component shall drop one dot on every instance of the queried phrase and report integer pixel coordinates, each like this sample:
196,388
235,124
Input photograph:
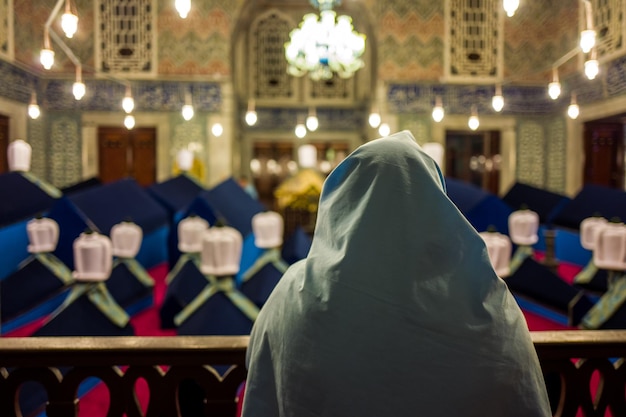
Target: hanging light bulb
438,111
217,129
69,21
510,7
128,103
33,108
554,88
183,7
588,36
78,88
374,118
473,121
573,110
587,40
129,121
251,116
46,57
592,67
384,130
300,130
497,101
312,123
187,112
187,109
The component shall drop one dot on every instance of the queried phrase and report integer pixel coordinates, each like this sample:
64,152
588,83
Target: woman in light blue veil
396,311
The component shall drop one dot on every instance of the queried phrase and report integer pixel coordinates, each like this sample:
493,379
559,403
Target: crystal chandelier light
325,46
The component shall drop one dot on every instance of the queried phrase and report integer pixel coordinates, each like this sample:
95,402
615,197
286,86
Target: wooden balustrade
578,359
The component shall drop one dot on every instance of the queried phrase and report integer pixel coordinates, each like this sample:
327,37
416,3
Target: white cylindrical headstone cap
307,156
268,230
524,227
610,247
93,257
221,251
499,250
184,159
190,230
126,239
43,235
19,154
588,231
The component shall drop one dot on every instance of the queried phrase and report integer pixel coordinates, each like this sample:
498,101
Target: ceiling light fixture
128,103
182,7
497,101
438,112
33,108
510,7
573,110
326,46
78,88
588,36
554,88
312,123
69,21
187,110
251,115
473,122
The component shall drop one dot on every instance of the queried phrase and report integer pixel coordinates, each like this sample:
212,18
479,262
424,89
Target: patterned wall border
329,119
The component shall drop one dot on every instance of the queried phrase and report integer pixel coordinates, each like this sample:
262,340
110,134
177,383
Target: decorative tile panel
418,125
329,119
6,29
104,95
266,52
65,149
530,153
37,139
608,22
556,146
475,39
126,36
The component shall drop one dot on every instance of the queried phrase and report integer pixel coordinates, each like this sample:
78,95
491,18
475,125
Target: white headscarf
396,311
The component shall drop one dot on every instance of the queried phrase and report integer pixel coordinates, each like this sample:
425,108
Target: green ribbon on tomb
215,285
519,256
608,304
49,189
272,256
54,265
101,297
182,260
136,269
586,274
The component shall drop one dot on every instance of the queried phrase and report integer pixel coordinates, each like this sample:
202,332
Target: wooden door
604,154
474,158
4,144
127,153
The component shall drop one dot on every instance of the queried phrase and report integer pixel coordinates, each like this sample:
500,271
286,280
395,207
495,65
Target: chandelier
326,45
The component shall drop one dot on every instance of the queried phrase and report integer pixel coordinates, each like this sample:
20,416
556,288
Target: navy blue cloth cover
176,193
21,199
536,282
26,288
82,318
126,289
183,288
591,200
481,208
124,200
545,203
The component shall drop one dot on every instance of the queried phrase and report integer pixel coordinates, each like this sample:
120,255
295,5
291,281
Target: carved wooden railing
60,364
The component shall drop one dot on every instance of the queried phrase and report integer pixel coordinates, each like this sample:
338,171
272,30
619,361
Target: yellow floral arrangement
301,191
